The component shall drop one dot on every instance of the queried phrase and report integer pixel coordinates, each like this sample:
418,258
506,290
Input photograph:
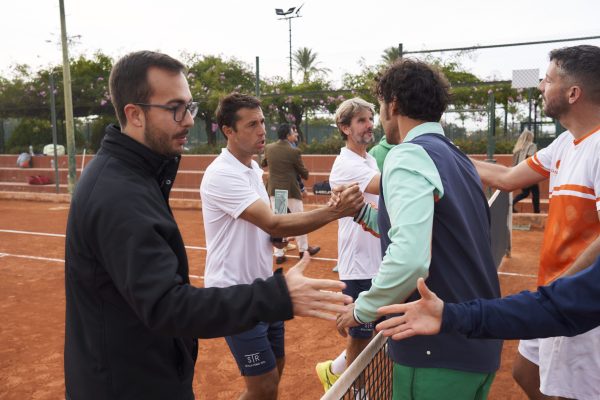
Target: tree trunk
210,135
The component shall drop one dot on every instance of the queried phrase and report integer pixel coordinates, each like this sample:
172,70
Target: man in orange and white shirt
567,367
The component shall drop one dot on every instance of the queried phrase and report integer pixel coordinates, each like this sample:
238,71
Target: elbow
274,228
505,186
422,271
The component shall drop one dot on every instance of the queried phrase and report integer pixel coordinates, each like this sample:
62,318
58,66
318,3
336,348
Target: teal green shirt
380,151
411,185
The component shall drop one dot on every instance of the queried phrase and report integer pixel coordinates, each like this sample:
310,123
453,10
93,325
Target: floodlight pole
288,17
68,100
54,134
290,29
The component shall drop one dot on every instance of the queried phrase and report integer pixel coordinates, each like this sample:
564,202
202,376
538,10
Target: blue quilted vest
461,267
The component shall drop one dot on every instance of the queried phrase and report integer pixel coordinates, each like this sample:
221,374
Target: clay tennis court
32,305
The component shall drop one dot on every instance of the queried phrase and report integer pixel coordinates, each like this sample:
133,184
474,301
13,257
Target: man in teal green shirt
434,223
380,151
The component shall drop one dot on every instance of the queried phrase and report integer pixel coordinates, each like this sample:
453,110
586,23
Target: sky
344,33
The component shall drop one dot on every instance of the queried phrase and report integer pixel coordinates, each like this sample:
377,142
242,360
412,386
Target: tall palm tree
306,62
390,55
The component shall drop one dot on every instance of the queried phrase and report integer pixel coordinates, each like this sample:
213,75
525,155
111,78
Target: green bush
30,132
479,145
206,148
98,127
330,145
37,133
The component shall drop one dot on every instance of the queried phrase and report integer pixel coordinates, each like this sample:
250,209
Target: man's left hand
346,320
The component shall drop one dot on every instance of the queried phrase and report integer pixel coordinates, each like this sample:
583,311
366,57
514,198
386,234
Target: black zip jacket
132,317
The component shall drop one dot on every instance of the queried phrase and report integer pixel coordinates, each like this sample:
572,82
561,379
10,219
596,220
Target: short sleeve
541,161
228,191
344,173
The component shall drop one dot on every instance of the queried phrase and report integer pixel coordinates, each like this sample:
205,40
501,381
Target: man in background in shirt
286,168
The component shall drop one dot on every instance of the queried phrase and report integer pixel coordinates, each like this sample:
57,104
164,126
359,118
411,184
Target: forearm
393,284
494,175
296,224
517,317
215,312
585,259
510,178
567,307
367,219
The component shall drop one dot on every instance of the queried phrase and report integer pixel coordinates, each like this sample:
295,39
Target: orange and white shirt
573,166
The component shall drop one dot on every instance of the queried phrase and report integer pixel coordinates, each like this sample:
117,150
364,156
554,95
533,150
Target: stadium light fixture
288,15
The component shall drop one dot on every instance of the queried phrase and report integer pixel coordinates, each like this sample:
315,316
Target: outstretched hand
421,317
346,320
319,298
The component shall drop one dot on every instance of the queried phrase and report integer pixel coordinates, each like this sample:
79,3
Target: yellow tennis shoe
326,377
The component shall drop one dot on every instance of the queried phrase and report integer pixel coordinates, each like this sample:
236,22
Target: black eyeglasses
178,111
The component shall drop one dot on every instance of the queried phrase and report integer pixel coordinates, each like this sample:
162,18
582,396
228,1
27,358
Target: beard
362,139
161,142
556,107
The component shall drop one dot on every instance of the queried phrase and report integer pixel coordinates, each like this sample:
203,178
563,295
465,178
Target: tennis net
368,378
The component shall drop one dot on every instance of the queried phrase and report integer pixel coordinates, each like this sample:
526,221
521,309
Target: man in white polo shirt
240,228
359,252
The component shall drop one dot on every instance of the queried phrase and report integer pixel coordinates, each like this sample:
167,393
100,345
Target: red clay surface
32,309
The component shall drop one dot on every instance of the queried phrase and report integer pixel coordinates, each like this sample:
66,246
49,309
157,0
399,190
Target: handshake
346,199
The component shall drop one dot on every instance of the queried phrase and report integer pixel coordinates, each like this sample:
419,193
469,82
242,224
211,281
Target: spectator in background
525,148
285,165
294,143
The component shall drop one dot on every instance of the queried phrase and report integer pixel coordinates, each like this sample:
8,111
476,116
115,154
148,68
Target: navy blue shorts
353,289
256,350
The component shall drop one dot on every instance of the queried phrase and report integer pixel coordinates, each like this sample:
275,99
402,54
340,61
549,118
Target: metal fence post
491,145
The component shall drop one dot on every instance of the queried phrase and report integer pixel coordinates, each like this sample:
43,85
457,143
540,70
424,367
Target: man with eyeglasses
132,316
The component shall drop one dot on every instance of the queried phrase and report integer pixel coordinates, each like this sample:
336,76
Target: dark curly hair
420,91
582,64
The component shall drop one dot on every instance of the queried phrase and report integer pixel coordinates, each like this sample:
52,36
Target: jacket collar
123,147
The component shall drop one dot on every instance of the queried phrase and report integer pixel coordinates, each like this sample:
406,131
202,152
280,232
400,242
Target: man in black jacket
132,317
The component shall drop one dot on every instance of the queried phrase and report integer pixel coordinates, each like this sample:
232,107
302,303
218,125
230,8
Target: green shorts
439,384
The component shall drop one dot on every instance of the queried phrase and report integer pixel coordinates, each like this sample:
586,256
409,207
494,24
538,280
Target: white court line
190,248
59,260
200,277
32,233
32,257
516,274
187,247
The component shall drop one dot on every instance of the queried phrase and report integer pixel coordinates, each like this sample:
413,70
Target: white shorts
569,366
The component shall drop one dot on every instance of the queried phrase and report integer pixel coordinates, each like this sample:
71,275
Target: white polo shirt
359,252
238,251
